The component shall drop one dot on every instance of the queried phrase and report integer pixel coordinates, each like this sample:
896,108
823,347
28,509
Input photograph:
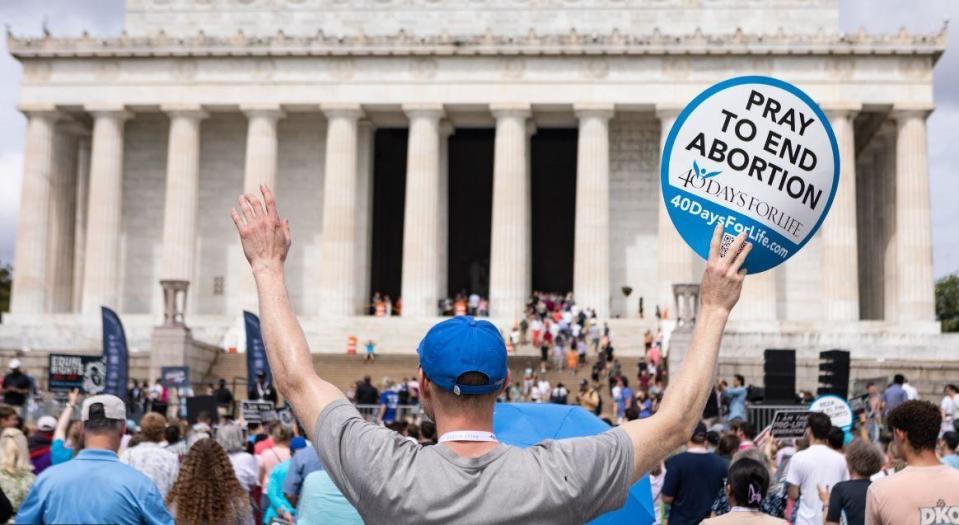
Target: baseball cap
297,443
46,423
699,434
460,345
14,364
104,406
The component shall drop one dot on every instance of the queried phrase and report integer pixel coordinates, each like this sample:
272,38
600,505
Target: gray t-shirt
390,479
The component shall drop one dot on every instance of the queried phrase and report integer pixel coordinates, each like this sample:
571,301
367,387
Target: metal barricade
762,415
403,412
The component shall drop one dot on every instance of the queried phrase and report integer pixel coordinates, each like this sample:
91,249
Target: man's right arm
655,437
266,241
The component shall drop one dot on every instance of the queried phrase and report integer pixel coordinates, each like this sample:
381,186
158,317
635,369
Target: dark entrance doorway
389,196
553,196
470,210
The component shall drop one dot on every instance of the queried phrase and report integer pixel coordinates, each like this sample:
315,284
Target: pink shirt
270,458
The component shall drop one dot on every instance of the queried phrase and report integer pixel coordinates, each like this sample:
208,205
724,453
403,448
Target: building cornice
403,44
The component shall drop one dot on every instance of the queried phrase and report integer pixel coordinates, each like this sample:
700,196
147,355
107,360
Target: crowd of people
105,468
444,464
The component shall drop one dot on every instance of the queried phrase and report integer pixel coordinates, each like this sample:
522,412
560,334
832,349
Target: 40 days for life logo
755,154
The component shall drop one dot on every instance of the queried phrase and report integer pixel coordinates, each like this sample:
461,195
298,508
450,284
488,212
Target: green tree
6,283
947,302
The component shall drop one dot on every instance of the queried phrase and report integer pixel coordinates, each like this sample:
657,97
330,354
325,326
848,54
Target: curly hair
920,420
206,490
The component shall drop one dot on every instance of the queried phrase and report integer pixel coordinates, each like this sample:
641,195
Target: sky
105,17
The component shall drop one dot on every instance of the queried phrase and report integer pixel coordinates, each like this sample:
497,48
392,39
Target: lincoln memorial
422,148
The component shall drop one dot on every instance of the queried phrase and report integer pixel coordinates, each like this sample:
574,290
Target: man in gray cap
469,477
94,487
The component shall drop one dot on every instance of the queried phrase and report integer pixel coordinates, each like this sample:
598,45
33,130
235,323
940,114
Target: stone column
511,229
259,168
674,259
421,281
442,225
364,214
80,222
337,270
178,260
29,294
591,239
840,259
261,146
888,216
101,268
63,199
913,223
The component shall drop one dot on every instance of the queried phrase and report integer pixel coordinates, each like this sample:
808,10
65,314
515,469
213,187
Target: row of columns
94,242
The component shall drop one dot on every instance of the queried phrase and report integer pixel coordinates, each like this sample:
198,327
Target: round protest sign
838,410
755,154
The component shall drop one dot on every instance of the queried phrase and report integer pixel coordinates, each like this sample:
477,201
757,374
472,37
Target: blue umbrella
526,424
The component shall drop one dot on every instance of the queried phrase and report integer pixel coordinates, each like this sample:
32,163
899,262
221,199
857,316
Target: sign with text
789,424
258,411
756,155
175,376
837,408
68,371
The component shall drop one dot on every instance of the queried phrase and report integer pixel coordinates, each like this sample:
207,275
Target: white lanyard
743,509
467,435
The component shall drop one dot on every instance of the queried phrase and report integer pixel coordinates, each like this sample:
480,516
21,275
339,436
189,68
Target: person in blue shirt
322,502
280,505
389,400
94,487
736,397
304,463
894,395
948,443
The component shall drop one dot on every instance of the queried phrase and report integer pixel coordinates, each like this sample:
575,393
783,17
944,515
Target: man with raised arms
469,477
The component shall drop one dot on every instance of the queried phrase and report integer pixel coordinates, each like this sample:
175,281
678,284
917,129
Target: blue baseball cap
463,344
297,443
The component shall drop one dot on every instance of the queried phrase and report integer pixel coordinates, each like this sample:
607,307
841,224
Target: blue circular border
737,81
845,402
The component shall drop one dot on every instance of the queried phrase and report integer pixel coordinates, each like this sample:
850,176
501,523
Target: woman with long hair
16,471
207,491
746,486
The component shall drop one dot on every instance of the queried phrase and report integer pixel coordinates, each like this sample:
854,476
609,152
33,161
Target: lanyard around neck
468,435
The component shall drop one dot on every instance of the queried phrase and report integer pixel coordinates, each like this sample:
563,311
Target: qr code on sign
727,240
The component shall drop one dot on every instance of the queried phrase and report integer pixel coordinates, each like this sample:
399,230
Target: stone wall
633,204
222,154
144,187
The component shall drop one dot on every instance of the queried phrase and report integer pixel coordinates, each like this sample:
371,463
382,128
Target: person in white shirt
544,389
948,407
911,392
817,466
230,437
151,457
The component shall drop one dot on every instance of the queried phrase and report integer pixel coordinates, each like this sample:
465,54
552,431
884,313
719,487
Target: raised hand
265,236
73,397
723,279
